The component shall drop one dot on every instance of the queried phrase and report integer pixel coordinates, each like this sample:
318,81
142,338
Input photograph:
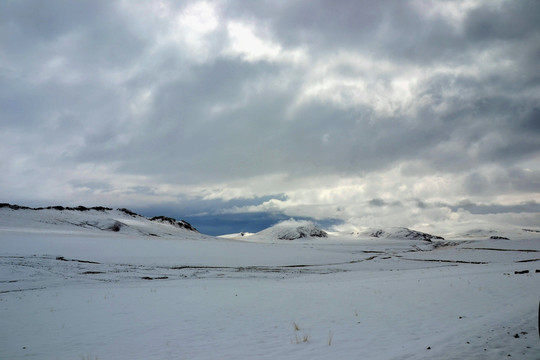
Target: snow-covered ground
72,288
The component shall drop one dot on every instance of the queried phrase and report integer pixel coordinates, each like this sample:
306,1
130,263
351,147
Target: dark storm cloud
381,202
512,179
512,20
31,29
198,206
208,217
400,30
323,24
511,31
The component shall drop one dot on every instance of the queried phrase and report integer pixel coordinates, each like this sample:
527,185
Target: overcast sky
357,113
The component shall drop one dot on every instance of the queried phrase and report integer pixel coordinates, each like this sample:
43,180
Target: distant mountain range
124,221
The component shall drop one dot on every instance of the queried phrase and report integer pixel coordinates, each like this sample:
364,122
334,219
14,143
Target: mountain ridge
106,219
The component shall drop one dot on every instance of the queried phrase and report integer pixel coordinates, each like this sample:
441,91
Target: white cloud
253,44
193,25
353,80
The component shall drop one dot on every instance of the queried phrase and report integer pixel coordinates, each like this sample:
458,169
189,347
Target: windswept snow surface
71,292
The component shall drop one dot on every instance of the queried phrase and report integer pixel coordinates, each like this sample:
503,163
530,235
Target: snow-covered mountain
486,231
490,231
87,220
285,230
398,233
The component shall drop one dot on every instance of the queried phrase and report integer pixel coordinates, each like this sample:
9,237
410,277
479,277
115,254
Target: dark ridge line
262,267
178,223
496,249
61,258
56,207
450,261
19,290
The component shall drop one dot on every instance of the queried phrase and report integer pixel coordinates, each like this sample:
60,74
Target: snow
285,230
398,233
69,292
87,222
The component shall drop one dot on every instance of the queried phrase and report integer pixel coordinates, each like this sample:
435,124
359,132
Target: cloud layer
388,111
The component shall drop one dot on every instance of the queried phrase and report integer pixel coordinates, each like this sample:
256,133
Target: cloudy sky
235,114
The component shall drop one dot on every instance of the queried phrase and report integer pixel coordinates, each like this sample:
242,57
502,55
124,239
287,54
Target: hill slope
285,230
95,219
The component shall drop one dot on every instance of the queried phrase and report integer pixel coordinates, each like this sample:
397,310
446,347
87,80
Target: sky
233,115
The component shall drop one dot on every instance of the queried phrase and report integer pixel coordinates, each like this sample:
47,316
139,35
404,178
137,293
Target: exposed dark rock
404,233
418,235
101,208
496,237
129,212
115,227
56,207
14,207
179,224
302,232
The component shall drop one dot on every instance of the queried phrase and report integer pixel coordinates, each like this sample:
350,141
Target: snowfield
75,286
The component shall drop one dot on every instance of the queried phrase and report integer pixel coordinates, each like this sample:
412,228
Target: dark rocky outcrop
404,233
176,223
302,232
114,226
14,207
497,237
56,207
129,212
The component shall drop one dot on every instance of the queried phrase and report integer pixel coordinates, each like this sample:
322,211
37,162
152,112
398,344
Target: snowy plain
70,288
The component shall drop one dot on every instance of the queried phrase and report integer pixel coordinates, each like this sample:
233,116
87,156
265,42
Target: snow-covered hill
285,230
398,233
89,220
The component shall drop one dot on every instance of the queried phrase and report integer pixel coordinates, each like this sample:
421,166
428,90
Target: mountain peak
292,230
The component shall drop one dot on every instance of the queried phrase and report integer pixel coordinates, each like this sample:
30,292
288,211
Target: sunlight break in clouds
245,43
